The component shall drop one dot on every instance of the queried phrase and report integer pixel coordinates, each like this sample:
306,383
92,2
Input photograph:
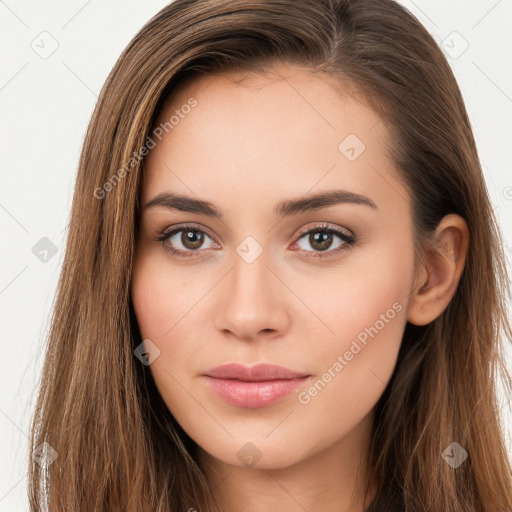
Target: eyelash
349,240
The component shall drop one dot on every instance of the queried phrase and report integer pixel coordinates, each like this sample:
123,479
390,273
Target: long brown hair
118,447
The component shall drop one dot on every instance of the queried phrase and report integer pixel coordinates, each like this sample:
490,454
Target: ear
439,275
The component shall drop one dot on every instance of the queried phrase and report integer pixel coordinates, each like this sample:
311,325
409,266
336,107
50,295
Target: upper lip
257,373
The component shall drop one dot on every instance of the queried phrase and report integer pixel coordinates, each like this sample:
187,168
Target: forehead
285,85
251,135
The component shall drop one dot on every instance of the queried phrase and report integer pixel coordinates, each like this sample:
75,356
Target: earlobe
442,268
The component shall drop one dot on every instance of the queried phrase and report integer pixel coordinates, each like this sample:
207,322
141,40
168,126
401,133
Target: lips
257,373
253,386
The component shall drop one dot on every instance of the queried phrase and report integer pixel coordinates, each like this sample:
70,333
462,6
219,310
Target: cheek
161,295
366,312
165,299
351,297
159,303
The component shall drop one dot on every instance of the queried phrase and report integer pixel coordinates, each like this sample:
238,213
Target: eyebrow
287,208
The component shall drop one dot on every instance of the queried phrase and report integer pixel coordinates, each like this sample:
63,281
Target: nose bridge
251,301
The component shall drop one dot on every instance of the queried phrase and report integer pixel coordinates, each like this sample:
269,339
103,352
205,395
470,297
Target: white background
45,108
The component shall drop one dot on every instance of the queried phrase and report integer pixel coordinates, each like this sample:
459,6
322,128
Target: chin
265,454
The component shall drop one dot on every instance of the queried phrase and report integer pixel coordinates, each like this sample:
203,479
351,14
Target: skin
246,146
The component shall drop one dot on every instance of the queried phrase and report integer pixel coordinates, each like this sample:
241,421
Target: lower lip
253,395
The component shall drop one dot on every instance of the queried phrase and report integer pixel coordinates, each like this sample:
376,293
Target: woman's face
261,280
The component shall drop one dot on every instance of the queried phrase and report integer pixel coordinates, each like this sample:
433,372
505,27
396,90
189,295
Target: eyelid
326,226
189,225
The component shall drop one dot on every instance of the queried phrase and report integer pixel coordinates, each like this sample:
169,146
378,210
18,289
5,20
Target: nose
252,301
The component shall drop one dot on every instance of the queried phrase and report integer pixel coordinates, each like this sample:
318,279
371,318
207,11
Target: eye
189,237
321,239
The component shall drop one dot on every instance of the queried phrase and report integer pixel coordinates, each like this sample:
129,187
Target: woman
284,286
